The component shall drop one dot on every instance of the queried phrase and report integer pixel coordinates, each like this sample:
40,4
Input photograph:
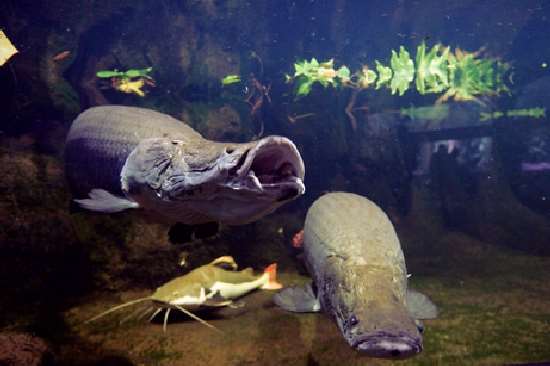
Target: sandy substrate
500,317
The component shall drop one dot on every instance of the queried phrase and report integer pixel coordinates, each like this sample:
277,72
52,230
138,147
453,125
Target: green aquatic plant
457,75
432,69
431,113
471,76
343,74
439,112
535,113
130,81
403,71
366,77
132,73
306,73
231,79
384,74
460,75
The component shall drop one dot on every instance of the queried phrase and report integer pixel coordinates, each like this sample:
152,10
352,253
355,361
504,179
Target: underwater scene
274,182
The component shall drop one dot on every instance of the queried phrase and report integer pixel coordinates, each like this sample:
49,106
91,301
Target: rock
23,349
222,124
217,61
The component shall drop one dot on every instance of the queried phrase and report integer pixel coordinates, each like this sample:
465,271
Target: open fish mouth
386,345
274,167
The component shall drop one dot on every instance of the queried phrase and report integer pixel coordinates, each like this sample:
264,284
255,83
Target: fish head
372,317
230,183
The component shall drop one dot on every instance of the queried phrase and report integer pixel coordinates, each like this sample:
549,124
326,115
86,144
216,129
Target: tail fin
271,283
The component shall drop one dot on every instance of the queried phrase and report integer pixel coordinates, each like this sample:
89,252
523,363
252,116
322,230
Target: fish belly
236,290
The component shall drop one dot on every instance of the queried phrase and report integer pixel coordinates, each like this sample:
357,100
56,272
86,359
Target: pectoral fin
420,306
102,201
298,299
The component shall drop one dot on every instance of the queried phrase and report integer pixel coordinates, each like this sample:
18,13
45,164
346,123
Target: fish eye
353,320
420,326
229,150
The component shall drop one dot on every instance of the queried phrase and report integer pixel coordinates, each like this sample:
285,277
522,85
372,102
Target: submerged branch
295,117
349,108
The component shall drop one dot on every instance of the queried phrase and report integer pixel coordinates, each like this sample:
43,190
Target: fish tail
271,283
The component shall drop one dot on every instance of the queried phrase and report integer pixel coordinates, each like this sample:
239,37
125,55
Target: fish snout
271,167
387,345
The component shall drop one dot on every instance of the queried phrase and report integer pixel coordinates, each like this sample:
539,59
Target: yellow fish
127,86
7,49
215,284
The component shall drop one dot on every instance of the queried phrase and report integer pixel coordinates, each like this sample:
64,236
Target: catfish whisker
166,315
187,312
115,308
131,315
155,313
144,313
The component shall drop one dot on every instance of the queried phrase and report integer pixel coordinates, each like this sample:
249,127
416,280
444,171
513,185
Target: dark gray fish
358,269
128,157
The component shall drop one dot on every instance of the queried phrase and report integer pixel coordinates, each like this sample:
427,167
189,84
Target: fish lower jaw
388,346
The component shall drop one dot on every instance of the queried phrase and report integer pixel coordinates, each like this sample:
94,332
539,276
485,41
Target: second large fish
359,278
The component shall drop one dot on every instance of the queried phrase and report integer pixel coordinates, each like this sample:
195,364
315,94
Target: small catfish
212,285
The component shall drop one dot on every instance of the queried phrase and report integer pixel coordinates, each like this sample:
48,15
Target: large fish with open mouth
128,157
359,278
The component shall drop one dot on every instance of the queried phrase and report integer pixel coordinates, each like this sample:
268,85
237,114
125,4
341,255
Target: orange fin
272,283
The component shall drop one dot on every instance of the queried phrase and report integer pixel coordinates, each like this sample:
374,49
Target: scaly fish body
358,269
128,157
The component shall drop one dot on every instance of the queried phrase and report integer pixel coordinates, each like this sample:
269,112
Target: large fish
359,278
127,157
